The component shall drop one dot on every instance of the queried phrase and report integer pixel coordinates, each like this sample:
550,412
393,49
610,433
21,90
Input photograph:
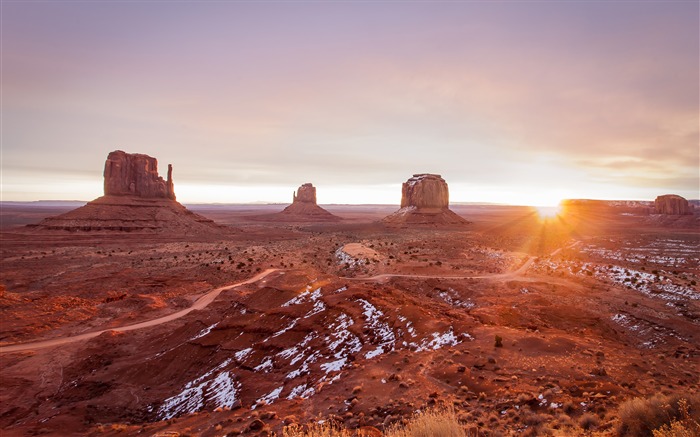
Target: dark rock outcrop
425,200
134,174
672,204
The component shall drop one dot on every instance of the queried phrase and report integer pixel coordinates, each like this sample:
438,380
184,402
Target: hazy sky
516,102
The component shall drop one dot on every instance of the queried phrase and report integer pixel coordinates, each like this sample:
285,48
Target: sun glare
548,212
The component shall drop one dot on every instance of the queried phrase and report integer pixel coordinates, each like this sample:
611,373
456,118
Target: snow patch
334,366
221,391
265,366
269,398
383,334
204,332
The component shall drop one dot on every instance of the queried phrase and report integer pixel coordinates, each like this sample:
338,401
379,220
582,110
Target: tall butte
134,174
136,199
425,199
305,208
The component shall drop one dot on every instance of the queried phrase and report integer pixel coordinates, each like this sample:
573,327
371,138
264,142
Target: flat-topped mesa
425,200
305,194
135,174
425,191
672,204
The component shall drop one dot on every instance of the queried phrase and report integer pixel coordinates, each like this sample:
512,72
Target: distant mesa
672,204
425,200
304,207
136,199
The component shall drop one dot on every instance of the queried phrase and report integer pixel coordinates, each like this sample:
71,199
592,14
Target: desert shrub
499,341
438,422
588,421
640,417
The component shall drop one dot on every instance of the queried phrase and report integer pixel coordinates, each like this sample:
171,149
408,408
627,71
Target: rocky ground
523,325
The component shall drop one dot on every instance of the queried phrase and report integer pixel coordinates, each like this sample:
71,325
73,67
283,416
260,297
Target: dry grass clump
686,426
326,429
437,422
640,417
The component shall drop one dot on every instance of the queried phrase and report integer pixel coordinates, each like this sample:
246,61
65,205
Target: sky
520,102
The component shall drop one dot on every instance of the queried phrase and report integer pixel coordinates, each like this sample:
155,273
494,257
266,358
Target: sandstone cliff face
671,204
425,191
305,194
424,201
136,175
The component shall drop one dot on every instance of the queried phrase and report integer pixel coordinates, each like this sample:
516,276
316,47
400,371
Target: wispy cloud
244,94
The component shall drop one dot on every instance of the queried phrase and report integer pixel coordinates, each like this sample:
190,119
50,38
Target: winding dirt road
199,304
208,298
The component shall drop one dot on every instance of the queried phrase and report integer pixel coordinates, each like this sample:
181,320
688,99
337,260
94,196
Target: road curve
200,303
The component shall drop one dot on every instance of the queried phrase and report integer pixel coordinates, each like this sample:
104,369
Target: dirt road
199,304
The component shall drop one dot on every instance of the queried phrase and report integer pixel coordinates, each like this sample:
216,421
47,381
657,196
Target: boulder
134,174
672,204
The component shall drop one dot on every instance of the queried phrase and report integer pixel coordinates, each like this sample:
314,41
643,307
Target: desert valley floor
353,321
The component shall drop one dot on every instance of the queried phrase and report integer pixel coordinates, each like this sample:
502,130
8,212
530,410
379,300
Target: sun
548,212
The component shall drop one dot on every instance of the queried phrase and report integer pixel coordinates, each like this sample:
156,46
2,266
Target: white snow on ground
204,332
334,366
282,331
243,354
318,307
660,286
223,390
307,296
383,334
651,335
304,369
304,297
297,300
342,341
438,341
218,387
270,397
265,366
452,297
298,391
220,390
345,258
663,252
298,350
409,327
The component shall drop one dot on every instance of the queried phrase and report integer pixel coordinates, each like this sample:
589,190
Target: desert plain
523,323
